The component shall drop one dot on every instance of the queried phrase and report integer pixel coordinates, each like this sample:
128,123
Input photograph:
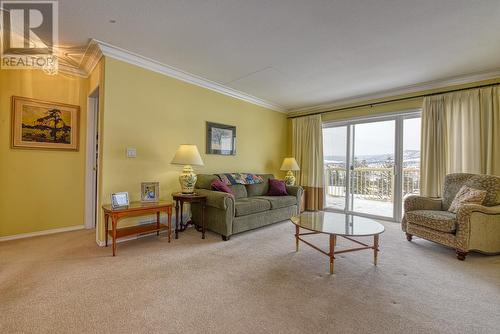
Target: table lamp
187,155
290,165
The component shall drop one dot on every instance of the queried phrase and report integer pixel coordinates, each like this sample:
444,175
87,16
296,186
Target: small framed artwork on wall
150,191
221,139
44,125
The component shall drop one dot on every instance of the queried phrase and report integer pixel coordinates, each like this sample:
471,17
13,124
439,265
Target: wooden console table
133,210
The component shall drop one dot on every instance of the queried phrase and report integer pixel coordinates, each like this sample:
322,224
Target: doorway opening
371,164
92,160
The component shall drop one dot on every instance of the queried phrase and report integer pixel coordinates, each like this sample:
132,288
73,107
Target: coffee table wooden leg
333,240
297,229
375,248
113,220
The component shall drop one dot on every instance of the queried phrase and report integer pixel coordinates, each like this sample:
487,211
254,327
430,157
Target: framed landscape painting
221,139
44,125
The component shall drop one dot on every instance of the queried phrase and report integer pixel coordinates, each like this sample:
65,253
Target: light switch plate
131,152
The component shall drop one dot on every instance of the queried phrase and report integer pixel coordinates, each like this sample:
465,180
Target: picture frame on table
150,191
119,200
221,139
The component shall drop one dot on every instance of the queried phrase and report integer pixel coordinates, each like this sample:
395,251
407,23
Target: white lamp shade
289,164
187,155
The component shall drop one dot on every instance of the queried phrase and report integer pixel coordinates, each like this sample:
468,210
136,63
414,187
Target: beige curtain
307,148
460,133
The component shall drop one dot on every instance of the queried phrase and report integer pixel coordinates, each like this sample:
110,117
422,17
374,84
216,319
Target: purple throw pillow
277,188
221,186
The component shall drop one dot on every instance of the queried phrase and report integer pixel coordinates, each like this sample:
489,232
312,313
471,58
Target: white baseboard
39,233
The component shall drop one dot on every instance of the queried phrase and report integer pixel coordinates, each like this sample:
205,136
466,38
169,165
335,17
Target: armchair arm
217,199
415,202
464,214
296,191
471,208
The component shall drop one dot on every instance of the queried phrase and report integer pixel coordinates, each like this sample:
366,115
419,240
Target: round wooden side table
180,199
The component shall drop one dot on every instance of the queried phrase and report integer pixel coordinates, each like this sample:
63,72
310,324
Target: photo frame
221,139
40,124
150,191
119,200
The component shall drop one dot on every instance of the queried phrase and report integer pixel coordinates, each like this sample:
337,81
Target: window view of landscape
372,176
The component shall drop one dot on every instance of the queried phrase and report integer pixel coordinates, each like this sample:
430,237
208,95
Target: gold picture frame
38,124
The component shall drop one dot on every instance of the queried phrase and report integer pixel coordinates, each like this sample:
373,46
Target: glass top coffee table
338,224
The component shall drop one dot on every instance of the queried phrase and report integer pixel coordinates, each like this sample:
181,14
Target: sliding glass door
370,164
372,168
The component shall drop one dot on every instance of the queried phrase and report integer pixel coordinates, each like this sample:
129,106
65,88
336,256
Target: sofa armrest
217,199
296,191
415,202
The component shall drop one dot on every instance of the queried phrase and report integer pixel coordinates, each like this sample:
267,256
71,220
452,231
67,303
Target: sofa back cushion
205,181
239,191
454,182
259,189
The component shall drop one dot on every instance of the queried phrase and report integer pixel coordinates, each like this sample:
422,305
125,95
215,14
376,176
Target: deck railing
374,183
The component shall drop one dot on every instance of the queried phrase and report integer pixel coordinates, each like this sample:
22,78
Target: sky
371,138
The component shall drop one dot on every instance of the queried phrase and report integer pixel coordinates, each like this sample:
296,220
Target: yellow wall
155,114
40,189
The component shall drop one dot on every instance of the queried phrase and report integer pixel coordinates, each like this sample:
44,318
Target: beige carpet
254,283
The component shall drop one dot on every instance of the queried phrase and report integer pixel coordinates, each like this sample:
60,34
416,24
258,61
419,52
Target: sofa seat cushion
246,206
278,202
443,221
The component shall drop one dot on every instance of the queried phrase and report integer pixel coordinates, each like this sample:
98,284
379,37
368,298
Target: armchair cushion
454,182
467,195
442,221
416,202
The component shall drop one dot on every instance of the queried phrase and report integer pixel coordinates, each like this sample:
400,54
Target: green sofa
248,209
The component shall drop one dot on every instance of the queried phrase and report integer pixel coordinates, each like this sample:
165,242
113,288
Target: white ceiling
298,53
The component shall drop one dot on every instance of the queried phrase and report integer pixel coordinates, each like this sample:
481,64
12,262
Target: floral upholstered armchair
472,227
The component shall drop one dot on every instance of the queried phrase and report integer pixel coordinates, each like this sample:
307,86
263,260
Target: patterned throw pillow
467,195
240,178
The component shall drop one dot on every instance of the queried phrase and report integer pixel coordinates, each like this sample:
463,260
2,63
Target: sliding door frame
398,118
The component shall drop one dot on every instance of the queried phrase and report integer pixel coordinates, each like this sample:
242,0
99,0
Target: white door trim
90,163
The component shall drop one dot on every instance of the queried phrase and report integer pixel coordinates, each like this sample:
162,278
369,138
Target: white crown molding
79,72
39,233
112,51
436,84
91,57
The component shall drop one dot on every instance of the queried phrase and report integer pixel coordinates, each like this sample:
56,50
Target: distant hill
410,158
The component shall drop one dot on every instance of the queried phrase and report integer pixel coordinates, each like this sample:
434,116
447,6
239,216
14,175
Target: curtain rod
393,100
